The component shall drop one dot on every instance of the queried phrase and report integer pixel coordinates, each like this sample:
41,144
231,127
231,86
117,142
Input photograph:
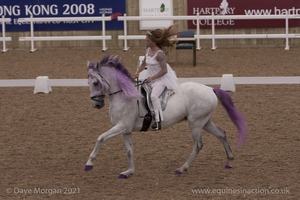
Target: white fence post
3,34
125,34
103,33
213,31
32,34
287,47
198,31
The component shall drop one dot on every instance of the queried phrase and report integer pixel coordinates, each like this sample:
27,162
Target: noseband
98,98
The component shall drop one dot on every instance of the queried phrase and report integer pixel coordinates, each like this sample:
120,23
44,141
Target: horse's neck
122,111
118,101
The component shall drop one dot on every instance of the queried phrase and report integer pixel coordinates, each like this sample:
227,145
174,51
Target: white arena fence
127,37
3,38
202,80
33,38
214,36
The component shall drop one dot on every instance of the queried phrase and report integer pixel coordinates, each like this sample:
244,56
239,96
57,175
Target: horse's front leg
116,130
129,151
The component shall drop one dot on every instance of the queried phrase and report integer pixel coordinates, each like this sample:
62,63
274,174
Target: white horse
192,102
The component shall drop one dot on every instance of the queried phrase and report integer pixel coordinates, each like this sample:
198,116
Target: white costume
158,85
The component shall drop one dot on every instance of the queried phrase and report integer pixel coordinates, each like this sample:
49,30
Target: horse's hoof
178,172
88,168
122,176
228,166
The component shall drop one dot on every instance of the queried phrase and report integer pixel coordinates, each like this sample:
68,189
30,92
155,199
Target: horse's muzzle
98,101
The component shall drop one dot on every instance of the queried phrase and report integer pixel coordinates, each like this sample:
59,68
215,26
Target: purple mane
124,78
115,62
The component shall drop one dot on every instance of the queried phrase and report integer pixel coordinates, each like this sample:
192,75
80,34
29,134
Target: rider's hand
149,79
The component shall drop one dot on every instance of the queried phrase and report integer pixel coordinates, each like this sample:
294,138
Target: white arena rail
4,39
126,18
213,36
204,80
33,38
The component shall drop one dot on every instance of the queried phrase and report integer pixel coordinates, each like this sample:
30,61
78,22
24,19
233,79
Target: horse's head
97,84
110,77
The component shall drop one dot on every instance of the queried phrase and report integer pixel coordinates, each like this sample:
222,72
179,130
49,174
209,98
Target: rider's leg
156,92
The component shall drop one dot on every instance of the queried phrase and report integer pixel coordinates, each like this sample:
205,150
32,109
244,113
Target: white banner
155,8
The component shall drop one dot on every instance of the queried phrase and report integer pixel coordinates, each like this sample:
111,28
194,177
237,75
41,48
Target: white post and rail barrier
126,18
285,35
213,36
197,18
3,38
33,38
203,80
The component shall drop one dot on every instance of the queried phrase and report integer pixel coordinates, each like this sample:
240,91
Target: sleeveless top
168,80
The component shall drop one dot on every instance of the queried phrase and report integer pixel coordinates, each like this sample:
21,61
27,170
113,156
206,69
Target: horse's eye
94,81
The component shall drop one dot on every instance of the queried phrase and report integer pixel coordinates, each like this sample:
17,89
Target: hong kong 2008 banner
16,9
245,7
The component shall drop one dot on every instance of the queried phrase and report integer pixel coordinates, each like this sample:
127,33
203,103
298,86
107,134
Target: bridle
100,97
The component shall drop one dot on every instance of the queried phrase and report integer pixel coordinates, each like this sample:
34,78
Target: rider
160,74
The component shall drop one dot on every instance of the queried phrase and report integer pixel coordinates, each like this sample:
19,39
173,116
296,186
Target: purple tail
235,116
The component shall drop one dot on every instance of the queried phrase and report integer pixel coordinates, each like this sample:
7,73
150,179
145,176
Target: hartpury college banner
244,7
16,9
155,8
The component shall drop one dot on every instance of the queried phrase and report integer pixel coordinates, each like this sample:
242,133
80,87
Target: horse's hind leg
220,134
197,146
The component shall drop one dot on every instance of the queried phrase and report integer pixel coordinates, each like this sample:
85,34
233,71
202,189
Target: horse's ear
117,58
92,64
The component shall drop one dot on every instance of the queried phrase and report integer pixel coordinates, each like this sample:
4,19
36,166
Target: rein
139,83
115,92
110,94
99,98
